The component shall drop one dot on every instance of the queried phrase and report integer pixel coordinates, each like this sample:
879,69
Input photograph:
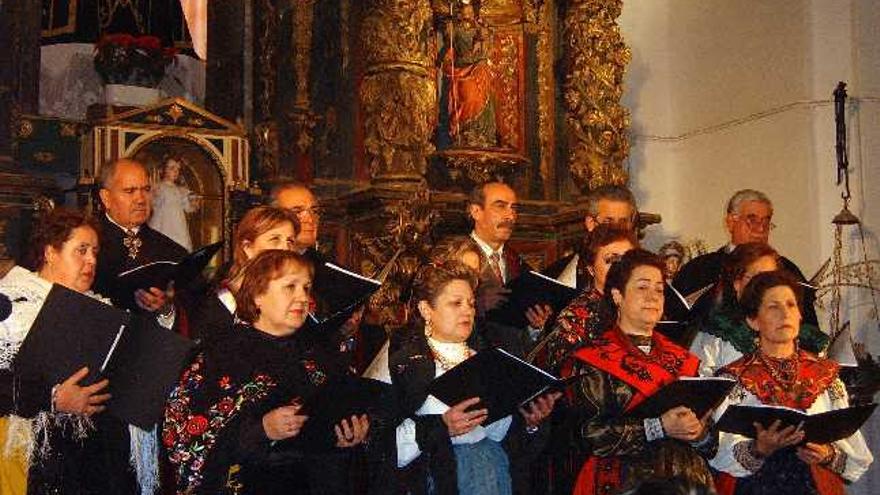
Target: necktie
132,242
495,264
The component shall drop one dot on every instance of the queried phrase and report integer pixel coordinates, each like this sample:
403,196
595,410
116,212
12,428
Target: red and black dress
618,452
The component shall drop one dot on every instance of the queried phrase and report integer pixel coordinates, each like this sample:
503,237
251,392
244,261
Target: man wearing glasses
748,219
299,199
608,204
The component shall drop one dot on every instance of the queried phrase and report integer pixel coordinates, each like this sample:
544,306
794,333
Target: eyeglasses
314,212
754,222
611,258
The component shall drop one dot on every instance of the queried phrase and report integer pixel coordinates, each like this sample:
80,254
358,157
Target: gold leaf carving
398,93
595,59
404,246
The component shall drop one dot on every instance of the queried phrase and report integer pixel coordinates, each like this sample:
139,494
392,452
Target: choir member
748,218
587,316
237,406
778,373
302,203
260,229
76,448
127,241
723,334
493,209
618,370
606,205
450,448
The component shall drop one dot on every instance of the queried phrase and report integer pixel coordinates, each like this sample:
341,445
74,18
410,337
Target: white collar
124,229
487,249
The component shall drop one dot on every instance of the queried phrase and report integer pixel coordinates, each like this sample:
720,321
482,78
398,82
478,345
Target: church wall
727,95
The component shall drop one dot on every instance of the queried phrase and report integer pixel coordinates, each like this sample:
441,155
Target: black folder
527,290
141,359
818,428
71,330
160,273
145,367
700,394
341,397
502,381
341,291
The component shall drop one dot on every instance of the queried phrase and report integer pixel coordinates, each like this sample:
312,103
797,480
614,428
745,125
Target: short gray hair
745,195
609,192
108,171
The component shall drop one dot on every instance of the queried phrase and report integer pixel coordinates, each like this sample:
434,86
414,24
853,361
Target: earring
428,328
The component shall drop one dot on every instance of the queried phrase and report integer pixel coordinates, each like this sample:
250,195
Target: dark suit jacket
488,333
113,257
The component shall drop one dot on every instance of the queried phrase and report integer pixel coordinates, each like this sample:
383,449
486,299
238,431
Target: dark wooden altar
355,98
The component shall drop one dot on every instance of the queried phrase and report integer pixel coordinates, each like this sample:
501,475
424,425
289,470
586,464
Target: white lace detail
27,291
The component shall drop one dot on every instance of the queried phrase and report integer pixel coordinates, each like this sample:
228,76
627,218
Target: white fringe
144,448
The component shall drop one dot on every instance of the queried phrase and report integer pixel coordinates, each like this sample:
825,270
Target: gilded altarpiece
394,109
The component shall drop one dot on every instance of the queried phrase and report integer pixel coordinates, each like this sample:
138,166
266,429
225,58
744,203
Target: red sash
614,354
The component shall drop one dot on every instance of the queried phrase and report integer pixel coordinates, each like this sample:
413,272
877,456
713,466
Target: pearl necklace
449,354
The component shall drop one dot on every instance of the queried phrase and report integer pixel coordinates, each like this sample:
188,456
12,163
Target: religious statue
172,200
467,81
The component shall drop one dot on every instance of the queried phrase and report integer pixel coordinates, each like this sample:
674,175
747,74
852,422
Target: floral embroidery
190,437
224,382
316,376
816,375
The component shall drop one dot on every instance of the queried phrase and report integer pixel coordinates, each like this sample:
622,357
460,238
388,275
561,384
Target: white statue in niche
172,200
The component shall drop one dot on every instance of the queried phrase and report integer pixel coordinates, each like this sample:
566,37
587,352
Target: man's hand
154,299
540,408
538,315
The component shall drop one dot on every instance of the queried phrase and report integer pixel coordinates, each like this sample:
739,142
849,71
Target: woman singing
443,449
76,449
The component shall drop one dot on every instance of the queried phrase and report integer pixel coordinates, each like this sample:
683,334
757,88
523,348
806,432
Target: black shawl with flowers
213,419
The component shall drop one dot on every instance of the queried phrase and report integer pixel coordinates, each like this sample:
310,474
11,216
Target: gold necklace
777,368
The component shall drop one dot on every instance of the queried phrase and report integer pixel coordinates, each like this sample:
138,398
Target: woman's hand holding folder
681,423
460,421
769,440
71,398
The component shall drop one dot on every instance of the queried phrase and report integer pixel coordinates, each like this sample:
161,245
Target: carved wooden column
398,96
19,94
301,119
595,59
224,85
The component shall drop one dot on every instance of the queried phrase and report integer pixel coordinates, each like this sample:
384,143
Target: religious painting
481,82
188,191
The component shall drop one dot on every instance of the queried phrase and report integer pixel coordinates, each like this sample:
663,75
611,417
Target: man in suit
608,204
128,242
493,209
748,218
